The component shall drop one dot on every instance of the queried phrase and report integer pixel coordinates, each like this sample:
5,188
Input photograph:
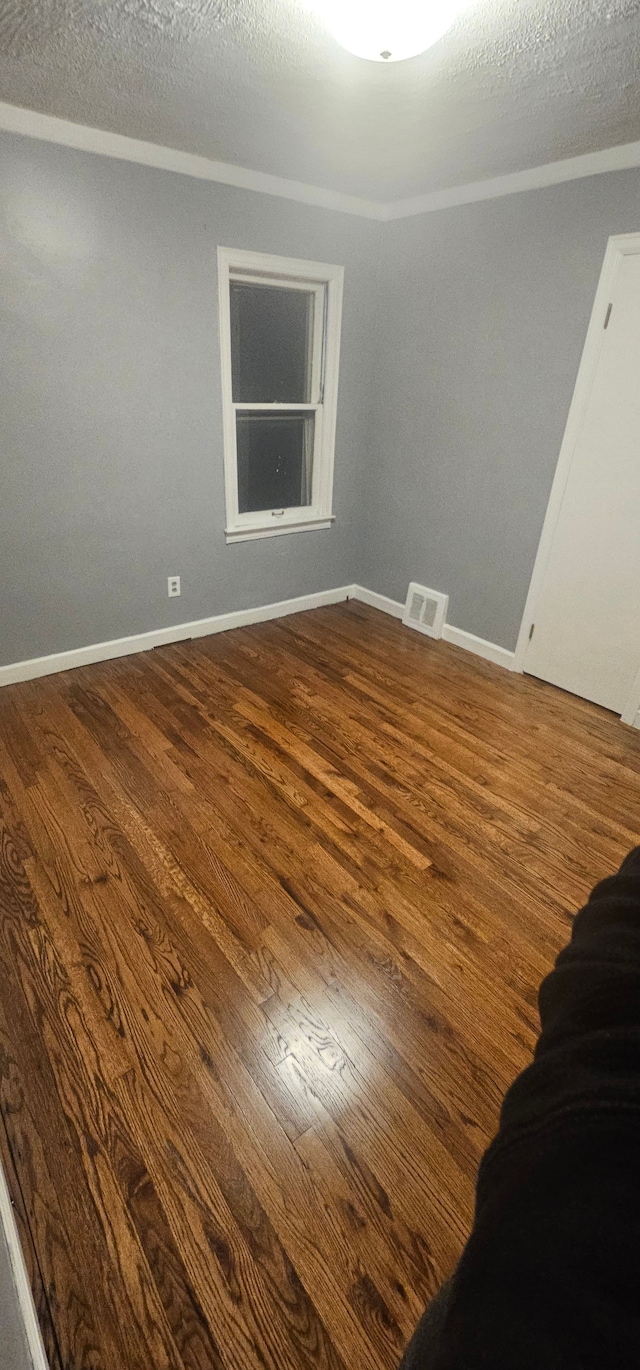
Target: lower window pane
275,460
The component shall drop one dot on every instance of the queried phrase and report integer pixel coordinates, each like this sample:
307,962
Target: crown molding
32,124
620,158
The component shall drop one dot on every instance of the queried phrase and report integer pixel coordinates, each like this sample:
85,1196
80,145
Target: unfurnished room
319,684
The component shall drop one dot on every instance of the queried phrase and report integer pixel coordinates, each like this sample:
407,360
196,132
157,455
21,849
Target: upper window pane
271,344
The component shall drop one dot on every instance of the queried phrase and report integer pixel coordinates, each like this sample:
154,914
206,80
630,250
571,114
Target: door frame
619,246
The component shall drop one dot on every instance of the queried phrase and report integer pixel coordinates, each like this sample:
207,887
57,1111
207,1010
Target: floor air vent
425,610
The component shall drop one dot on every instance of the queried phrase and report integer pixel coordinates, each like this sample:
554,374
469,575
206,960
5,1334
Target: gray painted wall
110,418
485,313
462,338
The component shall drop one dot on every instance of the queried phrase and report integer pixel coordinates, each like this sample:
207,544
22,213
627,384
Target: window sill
269,530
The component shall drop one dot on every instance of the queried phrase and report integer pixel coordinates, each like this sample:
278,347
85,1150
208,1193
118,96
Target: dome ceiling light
388,30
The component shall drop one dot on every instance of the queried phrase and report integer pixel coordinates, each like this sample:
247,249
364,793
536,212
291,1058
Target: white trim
275,406
620,158
32,124
490,651
239,618
376,601
22,1285
325,281
159,637
619,246
276,530
631,712
37,666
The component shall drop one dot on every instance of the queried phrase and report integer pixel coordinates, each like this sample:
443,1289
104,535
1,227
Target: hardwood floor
275,908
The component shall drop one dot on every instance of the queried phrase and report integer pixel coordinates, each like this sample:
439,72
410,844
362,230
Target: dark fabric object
429,1333
550,1276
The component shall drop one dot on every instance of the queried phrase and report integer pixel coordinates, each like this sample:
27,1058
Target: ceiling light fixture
388,30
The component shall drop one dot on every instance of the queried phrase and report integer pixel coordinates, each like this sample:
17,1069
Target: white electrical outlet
173,586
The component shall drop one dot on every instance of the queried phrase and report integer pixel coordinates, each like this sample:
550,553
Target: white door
586,621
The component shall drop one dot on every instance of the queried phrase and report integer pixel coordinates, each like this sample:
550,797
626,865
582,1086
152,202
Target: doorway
581,627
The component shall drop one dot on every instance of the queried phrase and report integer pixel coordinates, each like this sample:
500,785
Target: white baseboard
631,712
221,623
500,656
24,1297
159,637
376,601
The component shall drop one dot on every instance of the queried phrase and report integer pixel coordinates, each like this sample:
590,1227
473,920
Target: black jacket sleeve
550,1276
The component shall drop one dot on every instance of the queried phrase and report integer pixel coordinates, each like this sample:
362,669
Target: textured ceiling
260,83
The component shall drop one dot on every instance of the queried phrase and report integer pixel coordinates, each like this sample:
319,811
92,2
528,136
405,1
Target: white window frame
290,273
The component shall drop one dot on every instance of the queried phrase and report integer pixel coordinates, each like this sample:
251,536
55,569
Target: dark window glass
275,460
271,333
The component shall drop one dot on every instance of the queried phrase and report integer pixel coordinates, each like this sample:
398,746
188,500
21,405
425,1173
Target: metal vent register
425,610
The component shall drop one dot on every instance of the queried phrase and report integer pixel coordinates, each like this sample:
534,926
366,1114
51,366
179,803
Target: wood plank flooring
275,906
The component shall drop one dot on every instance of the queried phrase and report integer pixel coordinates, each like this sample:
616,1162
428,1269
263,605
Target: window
280,345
